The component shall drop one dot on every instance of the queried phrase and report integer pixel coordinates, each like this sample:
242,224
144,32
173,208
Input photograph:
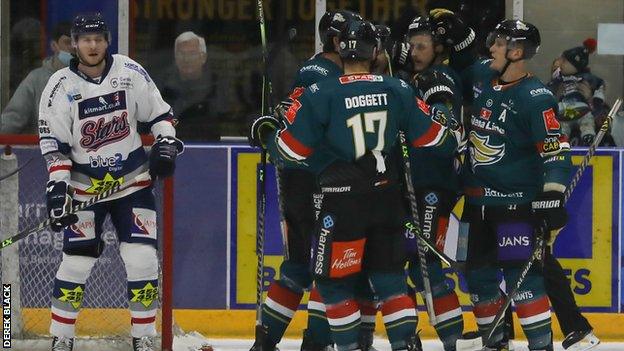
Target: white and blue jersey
88,127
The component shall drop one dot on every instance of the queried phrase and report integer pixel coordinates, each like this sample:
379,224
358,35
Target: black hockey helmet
422,24
359,41
517,32
89,24
383,34
332,23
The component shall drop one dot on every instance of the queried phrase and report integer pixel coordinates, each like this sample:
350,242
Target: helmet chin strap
508,61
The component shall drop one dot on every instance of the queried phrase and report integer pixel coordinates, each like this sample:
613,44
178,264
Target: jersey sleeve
302,132
151,107
427,126
55,129
552,146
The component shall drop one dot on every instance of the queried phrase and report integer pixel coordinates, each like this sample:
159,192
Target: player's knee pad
141,261
295,276
75,268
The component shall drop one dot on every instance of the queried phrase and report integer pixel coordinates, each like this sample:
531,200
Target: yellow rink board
240,323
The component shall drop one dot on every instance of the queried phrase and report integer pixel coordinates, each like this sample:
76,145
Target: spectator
189,87
580,93
22,112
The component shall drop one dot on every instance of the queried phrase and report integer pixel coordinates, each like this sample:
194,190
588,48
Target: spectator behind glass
22,112
579,92
188,88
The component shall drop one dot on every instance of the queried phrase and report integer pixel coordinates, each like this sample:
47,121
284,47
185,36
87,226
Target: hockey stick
428,295
539,240
15,170
422,257
267,93
95,199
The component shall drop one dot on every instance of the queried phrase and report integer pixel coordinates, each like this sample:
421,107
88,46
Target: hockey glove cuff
163,155
261,129
434,87
401,58
548,208
59,203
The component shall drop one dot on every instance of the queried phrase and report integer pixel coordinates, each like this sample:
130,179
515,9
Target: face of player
498,51
189,58
92,48
501,52
422,51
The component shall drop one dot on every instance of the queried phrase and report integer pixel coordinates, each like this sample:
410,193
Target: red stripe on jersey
445,304
60,168
63,320
284,297
342,310
291,113
367,308
396,304
146,320
532,308
294,144
429,136
315,295
489,309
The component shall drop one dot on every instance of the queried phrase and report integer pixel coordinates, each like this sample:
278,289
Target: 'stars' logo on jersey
482,152
96,134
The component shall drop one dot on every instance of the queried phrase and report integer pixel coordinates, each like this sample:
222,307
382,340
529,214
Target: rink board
215,236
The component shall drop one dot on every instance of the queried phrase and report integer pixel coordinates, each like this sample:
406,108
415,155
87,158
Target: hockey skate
307,344
144,343
262,342
62,344
580,340
414,343
366,341
472,341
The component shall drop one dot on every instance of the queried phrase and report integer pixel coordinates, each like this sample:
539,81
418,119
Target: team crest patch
422,105
482,152
550,120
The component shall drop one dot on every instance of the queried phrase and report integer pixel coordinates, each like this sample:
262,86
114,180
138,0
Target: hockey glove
434,86
261,129
401,58
59,202
548,209
588,139
163,155
453,31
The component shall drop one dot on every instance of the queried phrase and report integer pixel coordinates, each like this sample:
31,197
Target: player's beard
84,62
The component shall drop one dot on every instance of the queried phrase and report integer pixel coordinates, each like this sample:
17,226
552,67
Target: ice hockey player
357,117
519,166
88,116
299,198
435,177
512,82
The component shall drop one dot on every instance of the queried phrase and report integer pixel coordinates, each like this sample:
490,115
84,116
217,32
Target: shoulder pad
134,66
